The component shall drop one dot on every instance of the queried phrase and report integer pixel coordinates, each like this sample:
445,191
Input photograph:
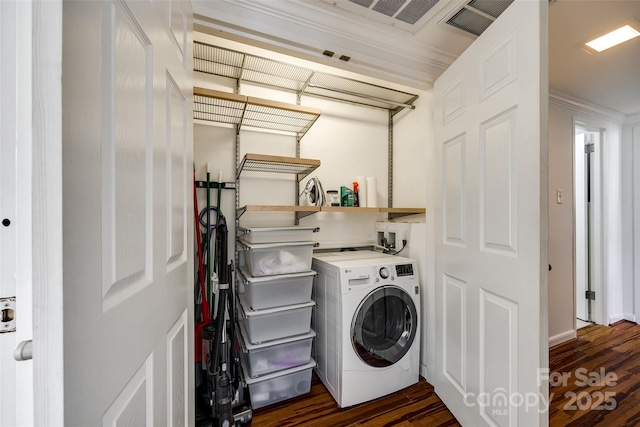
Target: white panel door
16,378
490,120
128,261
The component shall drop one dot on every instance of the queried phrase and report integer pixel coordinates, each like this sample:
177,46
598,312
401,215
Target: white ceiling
610,79
417,55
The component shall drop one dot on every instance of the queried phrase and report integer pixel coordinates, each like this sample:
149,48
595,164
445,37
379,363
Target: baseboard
615,318
563,337
423,371
629,317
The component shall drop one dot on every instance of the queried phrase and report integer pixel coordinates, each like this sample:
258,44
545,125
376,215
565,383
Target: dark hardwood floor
417,405
601,375
602,371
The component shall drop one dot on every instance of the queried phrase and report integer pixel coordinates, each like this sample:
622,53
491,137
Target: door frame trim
598,254
46,101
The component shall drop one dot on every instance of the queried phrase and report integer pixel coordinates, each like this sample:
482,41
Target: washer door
384,326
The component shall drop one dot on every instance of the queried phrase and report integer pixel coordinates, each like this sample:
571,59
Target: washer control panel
405,272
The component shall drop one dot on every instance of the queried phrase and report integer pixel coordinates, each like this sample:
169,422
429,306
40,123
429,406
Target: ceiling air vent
407,15
415,10
477,15
406,11
490,7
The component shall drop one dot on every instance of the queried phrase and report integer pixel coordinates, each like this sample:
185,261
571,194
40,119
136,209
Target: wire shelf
241,66
278,164
229,108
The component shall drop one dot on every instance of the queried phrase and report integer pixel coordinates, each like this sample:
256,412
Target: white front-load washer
367,320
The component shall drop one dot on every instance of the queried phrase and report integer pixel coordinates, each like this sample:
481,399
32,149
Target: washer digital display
404,270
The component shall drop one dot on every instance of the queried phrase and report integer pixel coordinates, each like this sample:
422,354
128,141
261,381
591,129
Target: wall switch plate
559,198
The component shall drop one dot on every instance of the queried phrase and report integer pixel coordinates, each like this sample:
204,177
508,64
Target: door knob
23,351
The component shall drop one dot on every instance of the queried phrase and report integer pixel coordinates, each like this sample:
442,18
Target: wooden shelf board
279,208
282,159
349,209
217,94
310,210
404,210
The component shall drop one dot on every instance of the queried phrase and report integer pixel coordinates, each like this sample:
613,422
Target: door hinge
590,295
589,148
7,315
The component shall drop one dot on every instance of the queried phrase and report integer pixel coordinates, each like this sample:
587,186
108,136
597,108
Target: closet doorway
587,221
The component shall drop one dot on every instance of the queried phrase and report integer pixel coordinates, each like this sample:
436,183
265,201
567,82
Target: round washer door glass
384,326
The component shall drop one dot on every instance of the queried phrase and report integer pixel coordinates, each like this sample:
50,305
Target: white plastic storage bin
274,356
276,234
274,291
270,259
280,386
275,323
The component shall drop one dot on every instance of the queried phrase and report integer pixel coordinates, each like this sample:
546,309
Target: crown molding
388,53
582,106
350,26
632,119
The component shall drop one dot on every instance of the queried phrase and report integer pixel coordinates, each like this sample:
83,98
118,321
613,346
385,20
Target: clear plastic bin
275,323
276,234
274,356
270,259
274,291
280,386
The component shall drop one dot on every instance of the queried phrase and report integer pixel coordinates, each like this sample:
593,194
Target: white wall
630,165
412,134
349,140
561,293
562,116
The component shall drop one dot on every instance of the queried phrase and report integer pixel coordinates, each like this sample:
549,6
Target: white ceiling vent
407,15
477,15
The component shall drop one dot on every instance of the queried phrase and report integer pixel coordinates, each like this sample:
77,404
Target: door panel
126,156
498,357
454,215
490,219
455,328
8,211
132,406
16,207
178,351
499,184
177,112
127,88
498,67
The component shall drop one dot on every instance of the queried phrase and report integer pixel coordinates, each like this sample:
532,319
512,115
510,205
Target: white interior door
128,252
586,196
491,224
16,377
580,224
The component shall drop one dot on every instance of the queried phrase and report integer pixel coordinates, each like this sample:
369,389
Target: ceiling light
615,37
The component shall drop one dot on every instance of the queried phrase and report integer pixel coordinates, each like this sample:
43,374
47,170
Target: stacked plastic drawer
275,312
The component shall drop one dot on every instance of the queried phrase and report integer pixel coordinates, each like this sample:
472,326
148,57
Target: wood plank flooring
598,350
417,405
602,371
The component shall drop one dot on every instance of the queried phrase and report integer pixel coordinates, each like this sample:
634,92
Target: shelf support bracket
390,163
305,85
